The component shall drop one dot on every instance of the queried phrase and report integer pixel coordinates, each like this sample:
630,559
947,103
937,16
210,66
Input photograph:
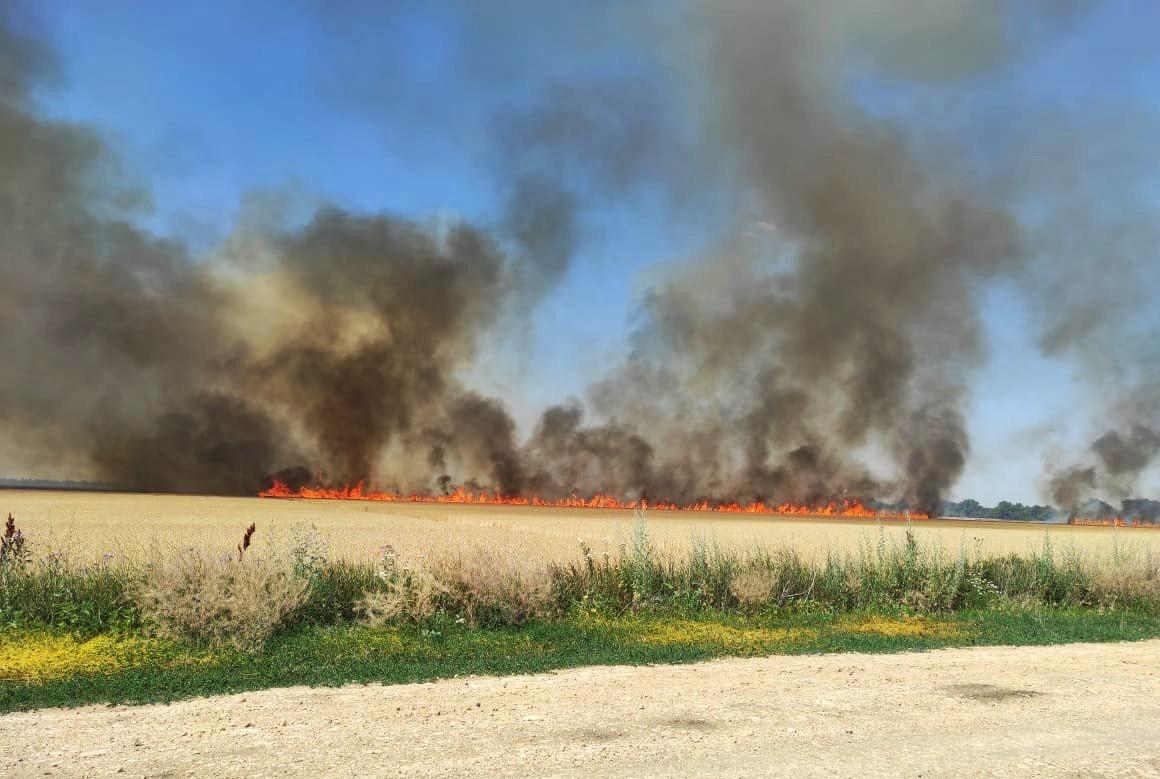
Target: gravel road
1076,710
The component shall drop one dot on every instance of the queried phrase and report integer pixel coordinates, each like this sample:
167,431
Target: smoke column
837,322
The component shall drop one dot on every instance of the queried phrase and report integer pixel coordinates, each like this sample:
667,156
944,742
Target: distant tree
1141,508
971,508
1042,513
1006,510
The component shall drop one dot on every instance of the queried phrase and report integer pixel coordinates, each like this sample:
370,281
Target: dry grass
492,584
408,594
203,595
87,526
220,600
753,588
162,560
1130,573
481,585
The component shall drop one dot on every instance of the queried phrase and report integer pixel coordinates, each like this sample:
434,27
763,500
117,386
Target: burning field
403,342
816,357
86,526
108,597
846,508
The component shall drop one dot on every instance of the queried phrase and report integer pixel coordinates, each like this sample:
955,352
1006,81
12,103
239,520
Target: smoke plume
853,323
1092,283
1118,456
321,345
836,324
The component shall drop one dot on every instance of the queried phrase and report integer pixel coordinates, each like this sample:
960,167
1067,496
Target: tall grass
199,597
220,600
885,575
55,591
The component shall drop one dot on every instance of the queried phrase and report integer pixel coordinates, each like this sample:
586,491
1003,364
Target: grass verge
41,668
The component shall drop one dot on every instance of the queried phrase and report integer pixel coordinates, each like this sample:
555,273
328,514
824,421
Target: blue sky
393,108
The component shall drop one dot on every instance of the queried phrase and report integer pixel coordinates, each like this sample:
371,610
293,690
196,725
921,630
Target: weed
12,551
195,596
406,595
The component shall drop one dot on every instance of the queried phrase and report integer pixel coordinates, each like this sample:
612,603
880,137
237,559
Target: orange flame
844,508
1110,522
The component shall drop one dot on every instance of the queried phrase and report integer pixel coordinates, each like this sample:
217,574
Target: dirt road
1078,710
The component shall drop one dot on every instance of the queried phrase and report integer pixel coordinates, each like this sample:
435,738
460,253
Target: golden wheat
91,526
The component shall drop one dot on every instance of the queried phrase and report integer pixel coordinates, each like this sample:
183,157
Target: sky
222,100
217,108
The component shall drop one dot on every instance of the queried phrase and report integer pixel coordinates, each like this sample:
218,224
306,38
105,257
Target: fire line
1111,522
844,508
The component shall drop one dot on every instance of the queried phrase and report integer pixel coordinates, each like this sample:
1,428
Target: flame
843,508
1111,522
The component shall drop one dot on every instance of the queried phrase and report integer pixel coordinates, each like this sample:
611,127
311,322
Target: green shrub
53,592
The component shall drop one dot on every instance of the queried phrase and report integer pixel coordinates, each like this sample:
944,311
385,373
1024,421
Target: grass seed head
245,544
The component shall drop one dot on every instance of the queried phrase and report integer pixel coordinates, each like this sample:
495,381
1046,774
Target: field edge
351,654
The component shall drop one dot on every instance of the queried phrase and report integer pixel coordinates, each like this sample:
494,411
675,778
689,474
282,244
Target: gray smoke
1092,283
327,350
836,324
851,320
1118,456
319,345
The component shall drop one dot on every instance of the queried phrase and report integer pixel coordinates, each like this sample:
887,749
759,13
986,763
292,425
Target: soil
1073,710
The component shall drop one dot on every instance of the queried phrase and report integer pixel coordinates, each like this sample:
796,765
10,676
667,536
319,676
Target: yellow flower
39,657
903,626
684,631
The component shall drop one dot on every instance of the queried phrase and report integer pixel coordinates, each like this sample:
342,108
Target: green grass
72,635
345,653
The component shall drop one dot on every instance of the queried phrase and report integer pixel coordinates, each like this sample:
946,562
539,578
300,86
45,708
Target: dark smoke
1092,282
1131,510
837,324
1118,458
483,432
152,370
209,444
606,458
101,325
327,350
1069,487
388,310
1127,453
576,145
854,324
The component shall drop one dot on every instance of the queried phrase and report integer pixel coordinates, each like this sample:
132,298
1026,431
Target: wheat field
122,527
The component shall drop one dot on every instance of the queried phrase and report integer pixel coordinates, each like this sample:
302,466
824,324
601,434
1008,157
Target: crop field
110,598
95,526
